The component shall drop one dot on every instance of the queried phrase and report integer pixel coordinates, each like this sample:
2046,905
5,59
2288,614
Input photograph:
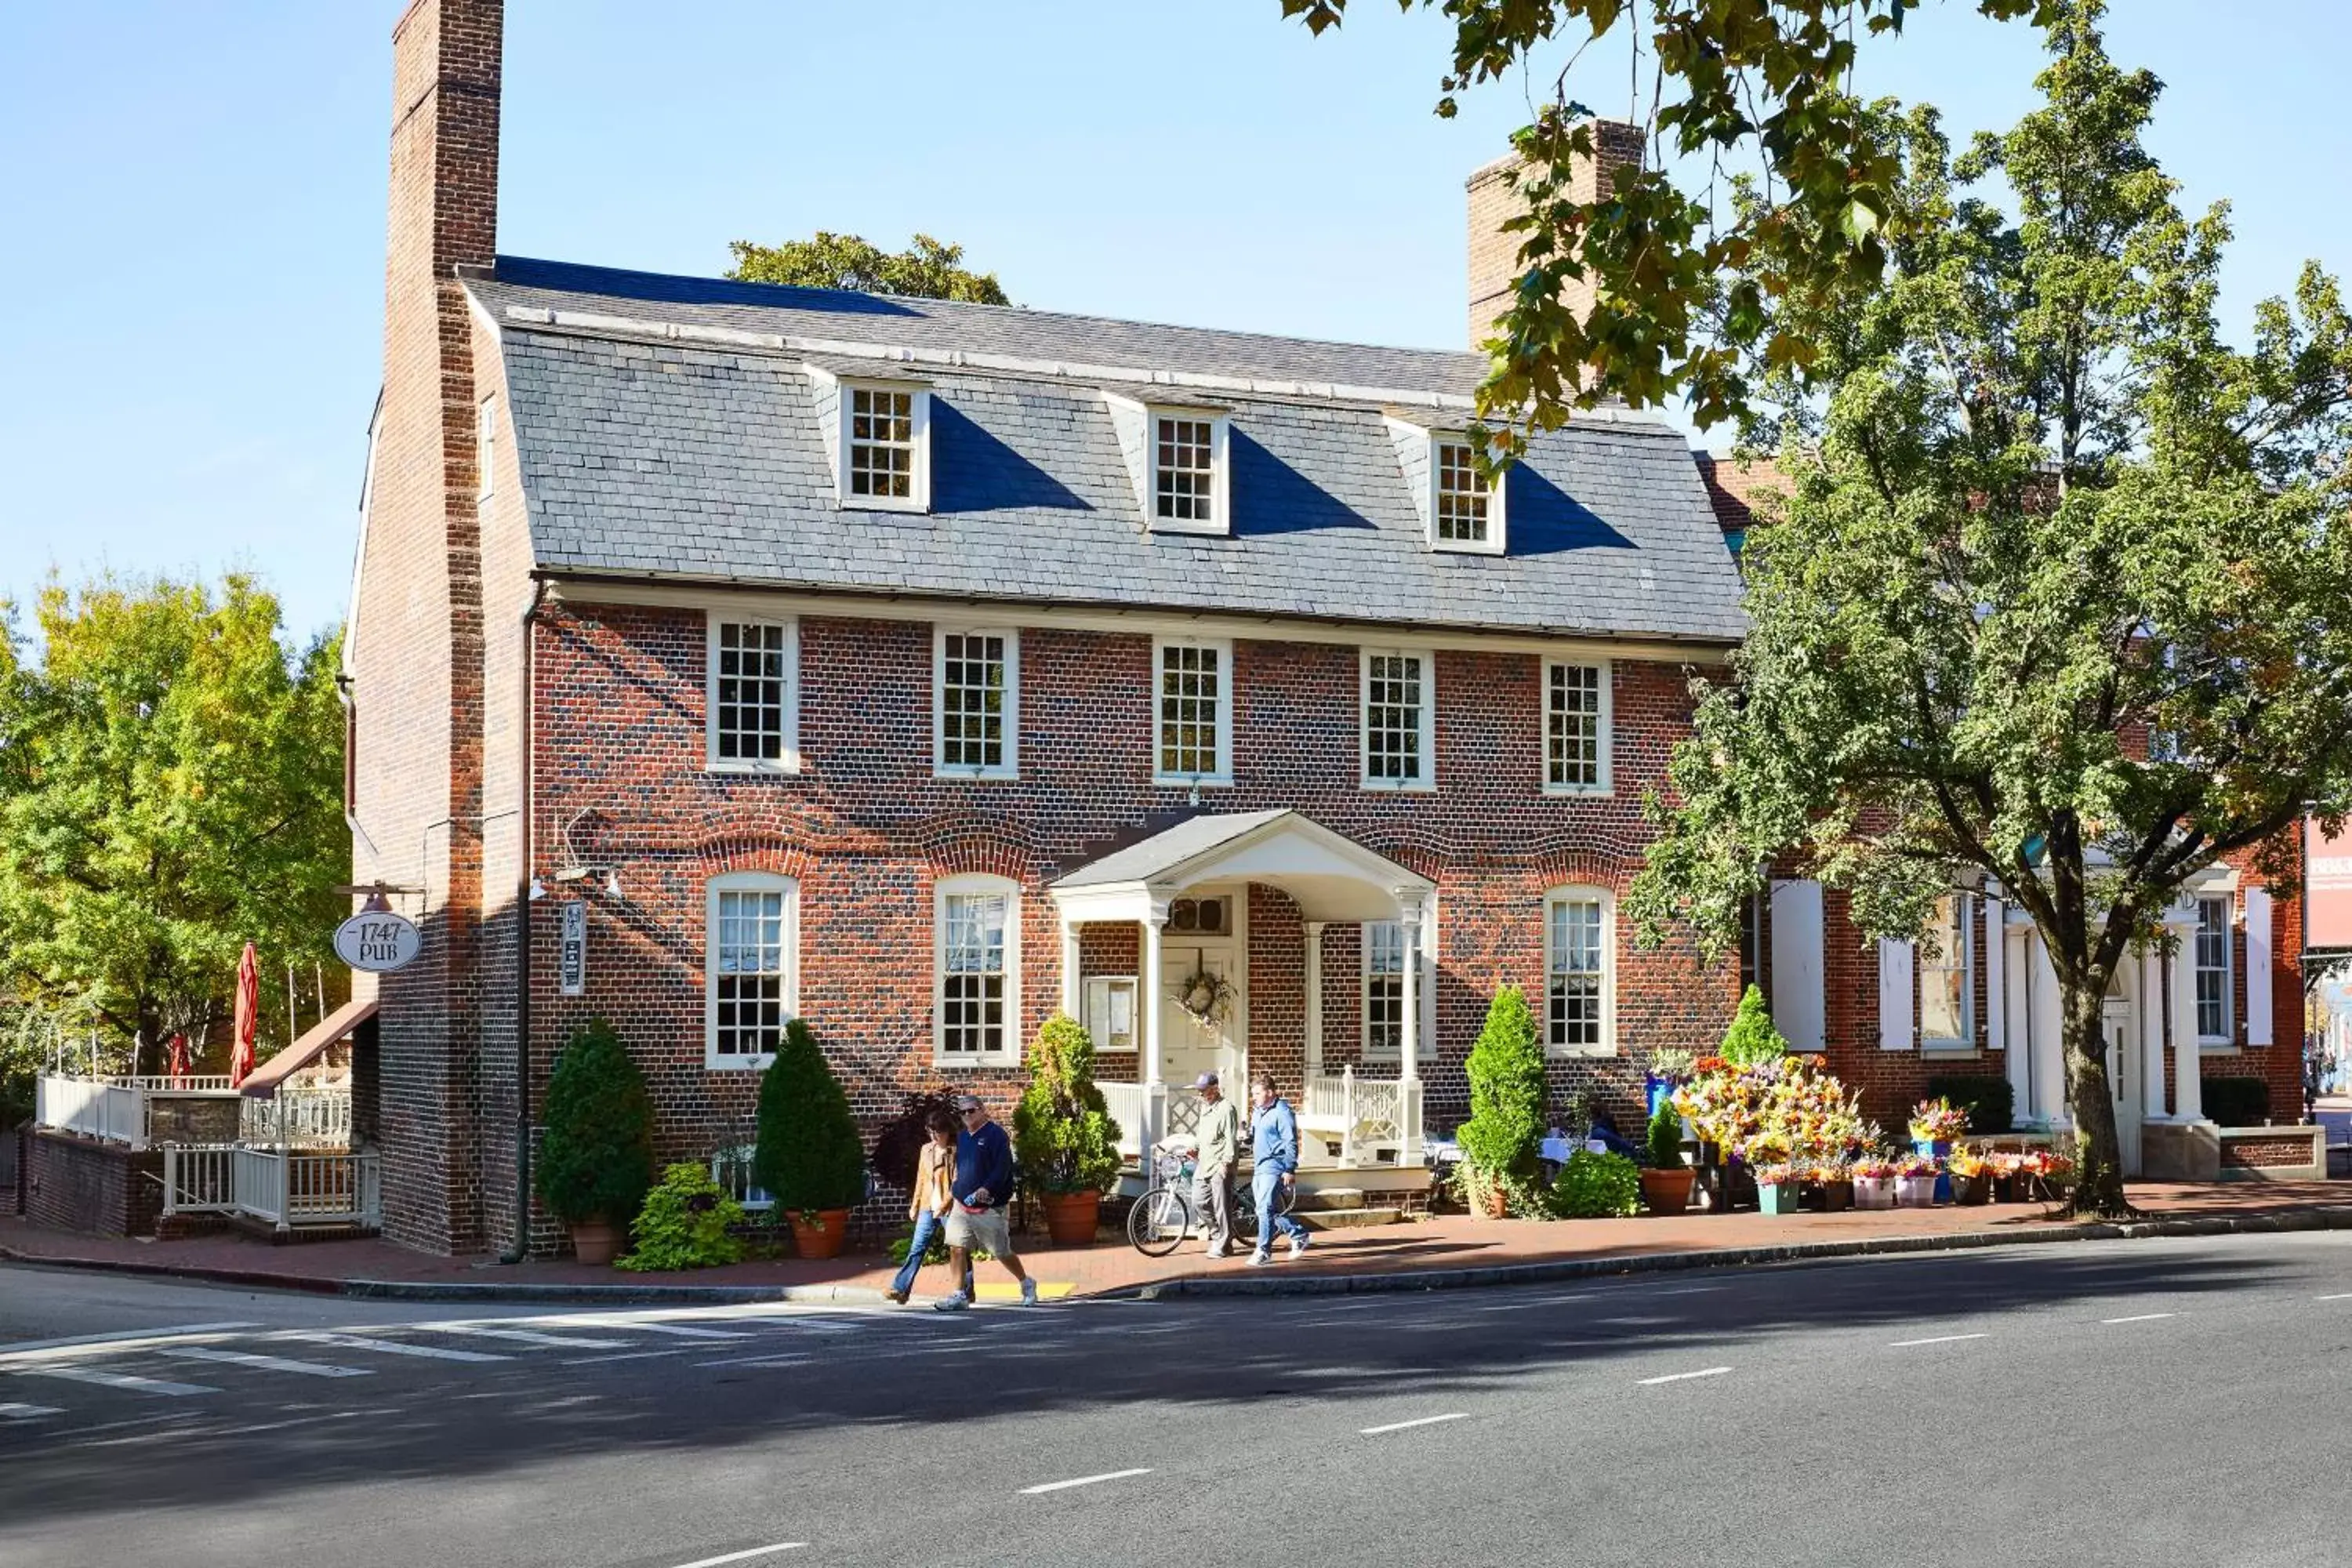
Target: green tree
169,789
596,1158
1507,1090
2043,518
808,1157
1752,1038
925,270
1063,1134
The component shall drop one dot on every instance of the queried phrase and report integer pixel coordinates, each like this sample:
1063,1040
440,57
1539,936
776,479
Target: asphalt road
2124,1402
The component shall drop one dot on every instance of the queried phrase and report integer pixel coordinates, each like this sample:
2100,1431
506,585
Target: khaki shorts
985,1229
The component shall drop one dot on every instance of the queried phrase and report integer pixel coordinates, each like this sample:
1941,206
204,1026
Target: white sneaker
1260,1259
1028,1292
1298,1245
955,1303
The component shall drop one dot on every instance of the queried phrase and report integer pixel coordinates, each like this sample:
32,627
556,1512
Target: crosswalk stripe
118,1380
271,1363
28,1412
532,1337
680,1329
393,1347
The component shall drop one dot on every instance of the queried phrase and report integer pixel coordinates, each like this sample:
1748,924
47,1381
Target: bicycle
1166,1216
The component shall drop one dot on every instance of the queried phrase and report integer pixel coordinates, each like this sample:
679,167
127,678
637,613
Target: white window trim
942,890
1427,781
1582,892
1964,1042
486,447
2227,1040
1497,539
1607,784
1011,767
740,1157
1221,470
1365,1049
919,411
746,881
1223,776
790,763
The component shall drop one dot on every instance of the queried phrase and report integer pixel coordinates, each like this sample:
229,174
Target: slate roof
665,427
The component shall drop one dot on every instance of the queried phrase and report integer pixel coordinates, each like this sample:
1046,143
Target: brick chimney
417,659
1493,255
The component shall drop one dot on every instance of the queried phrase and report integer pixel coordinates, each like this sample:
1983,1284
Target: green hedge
1991,1103
2238,1102
1597,1186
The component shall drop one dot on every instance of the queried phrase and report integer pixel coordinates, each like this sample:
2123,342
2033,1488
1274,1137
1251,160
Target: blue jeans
1264,1184
928,1225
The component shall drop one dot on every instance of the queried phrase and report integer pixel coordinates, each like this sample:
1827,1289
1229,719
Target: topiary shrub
898,1149
685,1224
1062,1137
2237,1101
1751,1038
808,1157
1507,1090
1597,1185
596,1156
1665,1137
1991,1103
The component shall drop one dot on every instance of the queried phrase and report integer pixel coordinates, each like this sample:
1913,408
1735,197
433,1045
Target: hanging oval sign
378,941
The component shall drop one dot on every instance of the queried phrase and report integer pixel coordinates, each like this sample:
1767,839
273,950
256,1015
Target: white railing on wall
281,1187
117,1109
1376,1119
297,1116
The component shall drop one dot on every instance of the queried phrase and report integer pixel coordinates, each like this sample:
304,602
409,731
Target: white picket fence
284,1188
1376,1119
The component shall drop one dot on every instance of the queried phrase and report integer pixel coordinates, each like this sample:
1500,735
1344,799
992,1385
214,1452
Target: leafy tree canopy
2057,595
925,269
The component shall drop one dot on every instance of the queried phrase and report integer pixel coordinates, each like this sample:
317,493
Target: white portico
1185,889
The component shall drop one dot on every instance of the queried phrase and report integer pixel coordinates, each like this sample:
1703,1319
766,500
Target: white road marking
744,1556
127,1337
1684,1376
2142,1317
2340,1296
271,1363
626,1356
532,1337
117,1380
679,1330
1078,1481
1937,1339
1419,1421
28,1412
757,1361
391,1347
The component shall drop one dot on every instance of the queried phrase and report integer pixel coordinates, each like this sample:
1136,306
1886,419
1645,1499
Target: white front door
2123,1080
1200,938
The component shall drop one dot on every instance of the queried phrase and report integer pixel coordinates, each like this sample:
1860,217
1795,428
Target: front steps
1341,1208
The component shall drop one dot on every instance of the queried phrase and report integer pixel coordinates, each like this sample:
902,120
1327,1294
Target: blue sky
191,297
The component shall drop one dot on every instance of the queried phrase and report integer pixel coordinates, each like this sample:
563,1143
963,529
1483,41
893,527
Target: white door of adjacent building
1202,938
2123,1080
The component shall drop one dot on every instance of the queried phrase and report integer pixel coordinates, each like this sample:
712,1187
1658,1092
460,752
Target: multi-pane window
976,703
1464,497
974,968
732,1169
1575,727
1186,471
1943,996
1576,956
750,694
750,954
2212,960
1397,719
1383,989
1194,709
881,443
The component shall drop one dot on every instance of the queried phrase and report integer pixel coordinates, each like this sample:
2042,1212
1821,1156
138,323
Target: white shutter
1898,1021
1798,1008
2257,966
1995,951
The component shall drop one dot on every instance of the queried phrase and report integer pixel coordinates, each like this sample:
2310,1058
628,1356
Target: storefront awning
1330,876
262,1083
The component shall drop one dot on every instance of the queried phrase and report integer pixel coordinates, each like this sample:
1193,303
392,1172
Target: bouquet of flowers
1914,1165
1937,1120
1969,1164
1875,1168
1829,1171
2050,1165
1778,1174
1671,1066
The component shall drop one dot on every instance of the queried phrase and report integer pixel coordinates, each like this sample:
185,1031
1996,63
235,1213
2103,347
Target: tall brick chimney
416,657
1493,255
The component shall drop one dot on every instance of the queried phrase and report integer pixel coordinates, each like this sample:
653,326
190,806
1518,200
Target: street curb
2333,1217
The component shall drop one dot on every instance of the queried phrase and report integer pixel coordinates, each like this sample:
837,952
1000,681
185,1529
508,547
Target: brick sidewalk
1439,1245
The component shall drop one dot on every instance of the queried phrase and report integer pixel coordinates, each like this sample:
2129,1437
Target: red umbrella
179,1060
249,1015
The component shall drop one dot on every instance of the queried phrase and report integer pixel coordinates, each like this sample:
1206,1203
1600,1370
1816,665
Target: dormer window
1465,501
1176,454
878,437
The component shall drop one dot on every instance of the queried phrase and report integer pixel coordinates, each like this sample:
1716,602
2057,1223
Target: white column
2017,1027
1409,1043
1313,1003
1072,997
2257,901
2150,963
1151,988
1996,970
2188,1069
2047,1027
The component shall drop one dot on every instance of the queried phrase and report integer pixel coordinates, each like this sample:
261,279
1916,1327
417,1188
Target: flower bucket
1972,1190
1874,1192
1836,1196
1937,1149
1658,1088
2011,1189
1915,1191
1776,1197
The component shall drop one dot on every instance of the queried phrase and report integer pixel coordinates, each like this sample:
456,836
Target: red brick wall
100,1189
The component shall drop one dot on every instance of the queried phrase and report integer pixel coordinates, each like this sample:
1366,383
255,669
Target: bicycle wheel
1159,1221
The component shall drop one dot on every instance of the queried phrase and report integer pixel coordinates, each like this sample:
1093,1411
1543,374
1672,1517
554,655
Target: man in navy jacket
981,1189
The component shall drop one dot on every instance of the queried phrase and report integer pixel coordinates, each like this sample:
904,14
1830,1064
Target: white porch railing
283,1188
298,1116
1376,1119
116,1108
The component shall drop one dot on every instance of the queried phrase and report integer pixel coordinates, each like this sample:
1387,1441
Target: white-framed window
1947,1001
732,1169
2215,972
1211,916
1111,1012
1465,508
751,696
1576,728
1399,718
486,447
1579,971
1189,491
1193,717
976,985
885,445
1384,990
976,703
751,967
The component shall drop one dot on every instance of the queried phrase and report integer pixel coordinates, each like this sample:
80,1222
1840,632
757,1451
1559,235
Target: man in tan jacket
1220,1133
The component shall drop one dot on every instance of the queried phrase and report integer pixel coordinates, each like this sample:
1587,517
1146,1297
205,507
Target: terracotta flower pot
596,1241
1668,1190
1071,1217
823,1236
1498,1202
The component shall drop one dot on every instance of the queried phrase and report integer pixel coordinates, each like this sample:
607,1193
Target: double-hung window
878,434
1947,1001
1576,728
1194,711
1465,507
751,942
1184,471
2213,958
1399,719
1384,990
1579,1007
976,1004
751,696
976,697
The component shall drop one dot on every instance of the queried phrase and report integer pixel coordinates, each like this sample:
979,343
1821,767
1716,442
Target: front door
2123,1080
1200,954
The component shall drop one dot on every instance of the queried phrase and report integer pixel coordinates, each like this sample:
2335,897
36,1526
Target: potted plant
596,1156
1874,1182
1667,1180
1936,1125
2009,1178
1971,1176
2050,1173
686,1221
1835,1181
1669,1068
1915,1183
1501,1139
1776,1188
1062,1137
808,1157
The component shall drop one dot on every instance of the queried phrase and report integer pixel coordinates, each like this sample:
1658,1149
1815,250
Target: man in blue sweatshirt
982,1186
1273,1162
